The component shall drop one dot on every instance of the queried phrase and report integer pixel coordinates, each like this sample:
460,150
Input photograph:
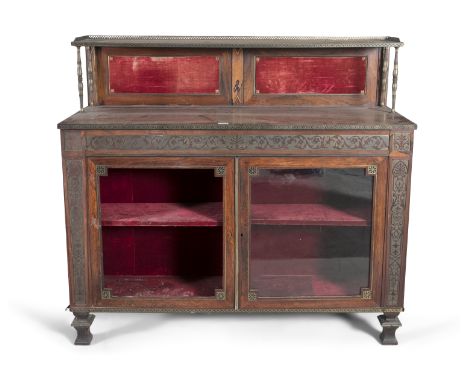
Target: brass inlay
252,295
220,171
220,294
106,294
253,171
101,170
366,293
372,169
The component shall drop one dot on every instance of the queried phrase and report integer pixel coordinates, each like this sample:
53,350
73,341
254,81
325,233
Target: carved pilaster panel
401,142
239,142
72,141
75,200
398,198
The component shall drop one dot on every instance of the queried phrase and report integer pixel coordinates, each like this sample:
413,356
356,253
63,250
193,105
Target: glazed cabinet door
311,232
161,232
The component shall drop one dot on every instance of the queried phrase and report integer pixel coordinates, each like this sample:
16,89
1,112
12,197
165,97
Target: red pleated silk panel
312,75
169,75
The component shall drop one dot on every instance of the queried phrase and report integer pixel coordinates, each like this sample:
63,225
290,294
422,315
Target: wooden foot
82,323
390,323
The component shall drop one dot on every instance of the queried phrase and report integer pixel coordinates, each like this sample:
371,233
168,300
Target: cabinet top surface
237,41
236,118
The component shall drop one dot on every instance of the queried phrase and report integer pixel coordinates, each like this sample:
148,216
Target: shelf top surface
236,118
237,41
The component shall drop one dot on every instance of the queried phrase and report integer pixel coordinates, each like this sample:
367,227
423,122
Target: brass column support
384,80
395,79
80,76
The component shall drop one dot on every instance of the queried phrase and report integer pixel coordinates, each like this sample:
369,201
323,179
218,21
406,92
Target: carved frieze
238,142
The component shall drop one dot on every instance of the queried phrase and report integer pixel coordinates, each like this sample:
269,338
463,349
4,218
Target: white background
38,89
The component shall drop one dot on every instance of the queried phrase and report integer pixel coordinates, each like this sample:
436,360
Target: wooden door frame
249,301
223,167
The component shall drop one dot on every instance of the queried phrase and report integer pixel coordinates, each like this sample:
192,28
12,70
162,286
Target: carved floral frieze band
238,142
397,220
74,169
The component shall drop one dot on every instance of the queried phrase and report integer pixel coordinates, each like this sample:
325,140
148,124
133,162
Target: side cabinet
237,174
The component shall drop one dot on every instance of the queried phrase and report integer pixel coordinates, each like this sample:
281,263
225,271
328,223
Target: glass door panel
310,231
162,232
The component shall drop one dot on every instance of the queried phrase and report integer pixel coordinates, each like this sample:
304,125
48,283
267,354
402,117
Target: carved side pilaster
396,242
75,201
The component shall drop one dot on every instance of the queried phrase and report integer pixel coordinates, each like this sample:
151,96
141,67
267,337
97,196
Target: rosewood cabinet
236,174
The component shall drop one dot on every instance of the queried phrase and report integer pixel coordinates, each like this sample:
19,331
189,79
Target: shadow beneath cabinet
122,324
135,323
359,323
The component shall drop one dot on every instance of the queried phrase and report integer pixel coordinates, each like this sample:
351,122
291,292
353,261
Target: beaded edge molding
239,41
221,310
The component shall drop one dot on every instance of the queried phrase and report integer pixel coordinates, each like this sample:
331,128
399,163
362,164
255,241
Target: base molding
108,309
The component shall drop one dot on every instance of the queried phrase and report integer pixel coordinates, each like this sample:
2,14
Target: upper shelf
236,41
236,118
211,215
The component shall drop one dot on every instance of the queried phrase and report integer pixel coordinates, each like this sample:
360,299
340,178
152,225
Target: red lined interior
155,260
164,75
310,75
162,232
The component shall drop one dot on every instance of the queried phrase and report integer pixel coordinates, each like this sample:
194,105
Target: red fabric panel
188,252
160,186
169,75
302,75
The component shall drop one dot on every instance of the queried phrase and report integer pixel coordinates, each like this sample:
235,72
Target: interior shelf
211,215
162,286
307,214
162,214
